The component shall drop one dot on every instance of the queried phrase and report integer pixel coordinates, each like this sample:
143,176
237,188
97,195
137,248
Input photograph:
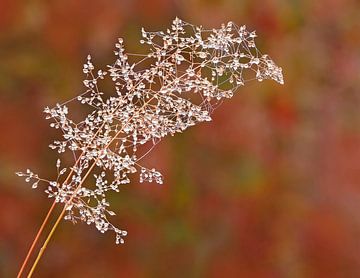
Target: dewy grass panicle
185,75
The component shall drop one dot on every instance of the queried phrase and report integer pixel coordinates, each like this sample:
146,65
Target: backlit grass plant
185,74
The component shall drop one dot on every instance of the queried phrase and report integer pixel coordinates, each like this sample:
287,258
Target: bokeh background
270,188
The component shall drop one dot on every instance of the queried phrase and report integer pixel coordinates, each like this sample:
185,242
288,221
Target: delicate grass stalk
188,72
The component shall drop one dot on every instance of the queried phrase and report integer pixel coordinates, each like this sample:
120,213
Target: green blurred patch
246,175
178,231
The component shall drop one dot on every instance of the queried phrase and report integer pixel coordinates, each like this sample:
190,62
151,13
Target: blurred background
270,188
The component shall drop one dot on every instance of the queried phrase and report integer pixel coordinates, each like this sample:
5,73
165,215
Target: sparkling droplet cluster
185,75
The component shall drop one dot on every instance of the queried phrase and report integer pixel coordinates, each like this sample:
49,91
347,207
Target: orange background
270,188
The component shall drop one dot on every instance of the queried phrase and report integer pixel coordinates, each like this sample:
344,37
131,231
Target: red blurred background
270,188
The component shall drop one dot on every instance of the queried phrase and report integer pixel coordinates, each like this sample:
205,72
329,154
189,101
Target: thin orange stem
46,242
43,226
36,240
57,223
